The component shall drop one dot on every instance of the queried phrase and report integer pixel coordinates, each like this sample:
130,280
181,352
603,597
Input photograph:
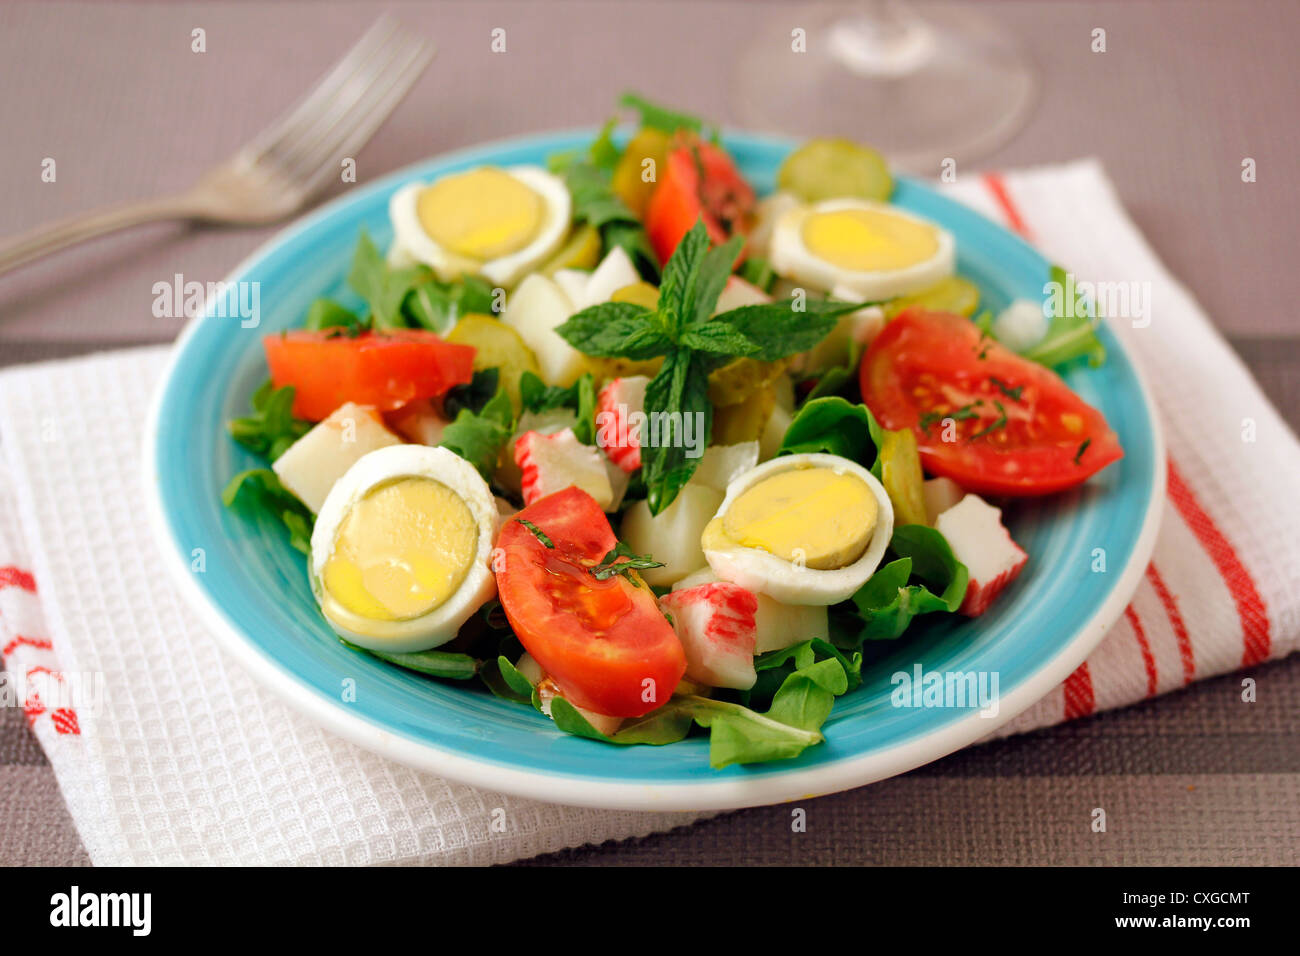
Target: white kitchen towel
186,761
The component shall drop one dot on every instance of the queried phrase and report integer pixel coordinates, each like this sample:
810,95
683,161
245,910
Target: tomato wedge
983,416
698,180
604,643
383,369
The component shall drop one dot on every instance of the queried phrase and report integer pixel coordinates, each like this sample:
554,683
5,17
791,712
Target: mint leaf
616,330
678,394
677,292
775,330
715,270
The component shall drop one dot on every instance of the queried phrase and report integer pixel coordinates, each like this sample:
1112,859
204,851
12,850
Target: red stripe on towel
1175,620
1255,632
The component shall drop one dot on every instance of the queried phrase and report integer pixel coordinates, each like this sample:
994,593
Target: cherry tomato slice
383,369
698,180
605,643
992,421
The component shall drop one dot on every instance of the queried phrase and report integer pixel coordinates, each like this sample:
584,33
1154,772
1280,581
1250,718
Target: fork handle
66,232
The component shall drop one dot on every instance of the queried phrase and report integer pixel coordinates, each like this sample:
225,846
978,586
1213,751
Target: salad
621,440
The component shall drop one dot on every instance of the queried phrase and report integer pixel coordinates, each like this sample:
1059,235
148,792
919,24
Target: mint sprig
692,342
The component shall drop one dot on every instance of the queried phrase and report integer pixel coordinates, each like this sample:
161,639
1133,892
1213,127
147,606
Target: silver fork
281,169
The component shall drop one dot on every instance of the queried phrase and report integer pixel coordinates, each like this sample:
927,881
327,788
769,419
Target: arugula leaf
1072,332
271,429
259,489
328,314
537,396
383,288
478,437
678,393
836,427
660,117
445,664
902,589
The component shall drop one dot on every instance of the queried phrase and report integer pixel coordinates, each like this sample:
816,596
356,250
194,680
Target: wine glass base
922,89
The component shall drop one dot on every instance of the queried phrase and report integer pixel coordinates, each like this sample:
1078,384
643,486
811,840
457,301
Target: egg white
793,259
412,244
765,573
441,624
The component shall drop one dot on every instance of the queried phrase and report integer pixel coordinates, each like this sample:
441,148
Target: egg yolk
810,516
869,240
402,550
484,213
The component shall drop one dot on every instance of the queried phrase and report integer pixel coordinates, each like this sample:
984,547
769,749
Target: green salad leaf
271,429
809,676
328,314
478,437
834,426
383,288
438,306
477,392
536,396
1072,333
590,184
660,117
925,578
259,490
445,664
505,681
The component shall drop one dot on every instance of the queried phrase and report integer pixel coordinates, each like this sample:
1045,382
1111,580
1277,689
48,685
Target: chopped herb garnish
537,532
1002,420
1078,455
610,564
1011,393
957,415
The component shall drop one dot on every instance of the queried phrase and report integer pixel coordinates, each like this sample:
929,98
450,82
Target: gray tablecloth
114,94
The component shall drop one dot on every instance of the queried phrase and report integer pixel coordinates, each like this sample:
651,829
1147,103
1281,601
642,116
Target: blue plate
255,598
